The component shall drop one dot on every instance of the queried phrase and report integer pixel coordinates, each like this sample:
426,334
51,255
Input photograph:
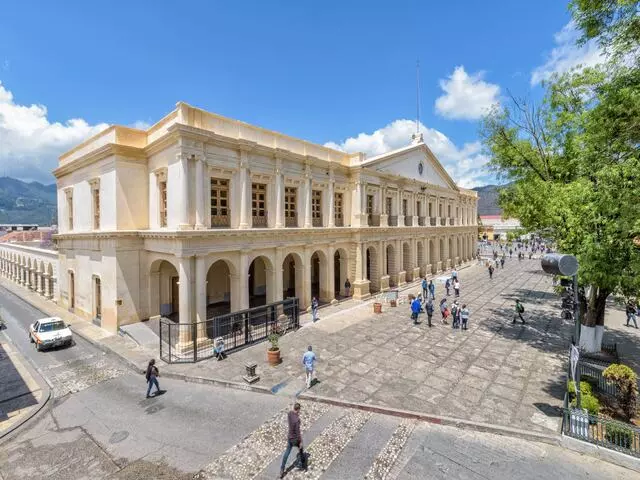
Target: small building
496,228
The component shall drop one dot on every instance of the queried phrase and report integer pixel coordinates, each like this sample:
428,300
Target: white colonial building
202,214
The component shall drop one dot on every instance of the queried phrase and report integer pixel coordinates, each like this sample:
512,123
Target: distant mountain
488,200
22,202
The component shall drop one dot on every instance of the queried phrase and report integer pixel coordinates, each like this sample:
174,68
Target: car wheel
38,347
30,338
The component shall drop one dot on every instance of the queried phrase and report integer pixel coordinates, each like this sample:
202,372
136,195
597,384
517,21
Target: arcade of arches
202,286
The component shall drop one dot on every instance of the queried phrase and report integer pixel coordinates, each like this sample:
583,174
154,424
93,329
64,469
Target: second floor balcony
316,221
339,221
373,220
291,222
432,221
220,221
452,221
408,221
259,222
443,222
422,221
393,220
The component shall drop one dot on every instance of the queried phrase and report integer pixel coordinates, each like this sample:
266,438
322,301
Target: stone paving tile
385,460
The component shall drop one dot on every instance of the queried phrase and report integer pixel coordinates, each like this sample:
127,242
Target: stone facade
201,214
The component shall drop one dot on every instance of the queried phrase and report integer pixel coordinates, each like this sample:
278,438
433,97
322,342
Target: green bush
589,402
619,435
585,388
626,382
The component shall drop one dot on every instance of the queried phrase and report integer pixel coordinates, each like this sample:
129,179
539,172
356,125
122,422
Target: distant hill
488,200
22,202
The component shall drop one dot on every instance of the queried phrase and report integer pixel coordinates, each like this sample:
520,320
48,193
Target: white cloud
466,96
30,144
567,55
465,165
140,125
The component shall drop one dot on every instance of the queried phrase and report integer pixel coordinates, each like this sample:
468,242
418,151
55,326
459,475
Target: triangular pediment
415,162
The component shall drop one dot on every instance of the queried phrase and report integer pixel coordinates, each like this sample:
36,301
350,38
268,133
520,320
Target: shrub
585,388
589,402
626,381
273,340
619,435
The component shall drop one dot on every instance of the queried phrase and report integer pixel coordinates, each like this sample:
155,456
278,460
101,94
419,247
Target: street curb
604,454
439,420
48,396
219,383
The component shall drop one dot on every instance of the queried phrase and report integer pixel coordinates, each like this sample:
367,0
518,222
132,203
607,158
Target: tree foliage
574,159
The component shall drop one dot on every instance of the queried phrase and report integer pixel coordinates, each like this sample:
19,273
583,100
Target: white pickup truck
49,333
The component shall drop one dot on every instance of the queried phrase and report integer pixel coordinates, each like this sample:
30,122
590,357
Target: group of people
424,303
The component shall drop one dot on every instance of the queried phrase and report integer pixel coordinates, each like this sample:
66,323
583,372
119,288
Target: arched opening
421,262
164,290
372,271
340,272
433,259
406,262
219,289
257,282
391,266
292,277
319,281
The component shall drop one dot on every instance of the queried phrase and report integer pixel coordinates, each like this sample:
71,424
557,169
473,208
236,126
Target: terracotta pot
273,357
377,307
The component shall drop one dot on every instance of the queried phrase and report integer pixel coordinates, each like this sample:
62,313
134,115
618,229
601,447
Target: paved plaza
495,372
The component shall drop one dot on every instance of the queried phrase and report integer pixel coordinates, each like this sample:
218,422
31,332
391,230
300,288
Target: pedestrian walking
455,310
425,287
447,285
416,306
314,309
429,310
464,316
510,252
519,310
444,311
456,287
631,313
347,288
490,271
309,362
502,262
152,377
294,436
454,274
432,289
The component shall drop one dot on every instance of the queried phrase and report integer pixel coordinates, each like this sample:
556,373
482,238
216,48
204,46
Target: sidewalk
24,392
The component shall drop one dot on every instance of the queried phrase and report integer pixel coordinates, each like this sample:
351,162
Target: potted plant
273,352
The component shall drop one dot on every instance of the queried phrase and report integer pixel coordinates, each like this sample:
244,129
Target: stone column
361,284
384,216
356,205
330,293
414,208
183,216
200,207
308,222
47,286
400,212
185,291
39,288
332,213
245,190
278,274
201,298
279,196
243,283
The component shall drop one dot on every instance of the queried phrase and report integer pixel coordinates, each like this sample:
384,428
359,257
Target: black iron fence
190,342
600,431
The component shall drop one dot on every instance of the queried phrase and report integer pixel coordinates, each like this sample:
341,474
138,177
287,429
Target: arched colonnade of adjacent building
33,268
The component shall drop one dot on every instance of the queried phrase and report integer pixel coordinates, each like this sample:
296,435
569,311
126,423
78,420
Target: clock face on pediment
420,168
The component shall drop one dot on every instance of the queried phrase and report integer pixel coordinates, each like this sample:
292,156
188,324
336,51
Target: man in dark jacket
429,309
294,437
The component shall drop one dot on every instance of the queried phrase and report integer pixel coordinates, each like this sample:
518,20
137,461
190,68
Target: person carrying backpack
519,311
429,309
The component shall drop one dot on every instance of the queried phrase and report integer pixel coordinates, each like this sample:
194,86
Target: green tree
574,161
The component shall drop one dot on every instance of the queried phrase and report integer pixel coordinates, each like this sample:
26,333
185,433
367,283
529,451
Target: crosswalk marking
328,445
248,458
389,454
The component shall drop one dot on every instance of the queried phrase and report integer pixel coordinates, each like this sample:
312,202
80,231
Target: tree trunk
592,307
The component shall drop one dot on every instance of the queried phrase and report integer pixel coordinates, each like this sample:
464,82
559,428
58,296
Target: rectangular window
258,200
219,205
419,208
430,209
96,209
338,208
387,205
290,194
404,207
316,204
369,204
162,199
70,209
98,298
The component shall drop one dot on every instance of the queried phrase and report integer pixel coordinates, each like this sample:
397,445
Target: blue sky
335,72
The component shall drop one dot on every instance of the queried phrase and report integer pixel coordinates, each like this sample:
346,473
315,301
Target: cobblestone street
495,372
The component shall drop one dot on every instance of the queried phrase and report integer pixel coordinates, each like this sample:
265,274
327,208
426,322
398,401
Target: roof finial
417,137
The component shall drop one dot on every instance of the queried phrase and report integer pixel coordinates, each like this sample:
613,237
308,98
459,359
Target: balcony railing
432,221
291,222
220,221
422,221
452,221
408,221
339,221
393,220
373,220
317,222
443,221
259,222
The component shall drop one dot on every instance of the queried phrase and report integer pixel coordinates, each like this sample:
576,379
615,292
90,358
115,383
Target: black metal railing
422,221
408,221
443,221
339,221
452,221
432,221
291,222
592,374
393,220
220,221
190,342
600,431
373,220
259,222
316,222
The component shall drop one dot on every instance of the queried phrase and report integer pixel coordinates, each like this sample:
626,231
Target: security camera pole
567,266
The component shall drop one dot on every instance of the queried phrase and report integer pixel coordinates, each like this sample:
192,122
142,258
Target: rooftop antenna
417,137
